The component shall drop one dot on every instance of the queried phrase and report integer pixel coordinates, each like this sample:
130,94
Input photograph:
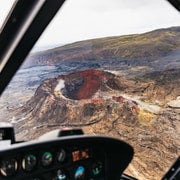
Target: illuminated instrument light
61,175
80,173
80,154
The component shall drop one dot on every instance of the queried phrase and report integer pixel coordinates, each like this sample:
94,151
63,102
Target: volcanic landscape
124,86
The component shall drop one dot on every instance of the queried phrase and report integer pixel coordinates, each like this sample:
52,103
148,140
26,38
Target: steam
59,86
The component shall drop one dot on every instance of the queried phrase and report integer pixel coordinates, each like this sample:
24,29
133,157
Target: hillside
152,44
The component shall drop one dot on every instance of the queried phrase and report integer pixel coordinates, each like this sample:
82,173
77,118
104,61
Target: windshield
110,68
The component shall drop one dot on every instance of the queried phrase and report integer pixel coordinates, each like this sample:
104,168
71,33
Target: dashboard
78,157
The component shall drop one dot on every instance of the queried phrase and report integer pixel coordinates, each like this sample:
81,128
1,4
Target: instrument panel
79,157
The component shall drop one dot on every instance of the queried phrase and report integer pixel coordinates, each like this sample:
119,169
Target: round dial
80,173
47,159
29,162
8,167
97,168
61,155
61,175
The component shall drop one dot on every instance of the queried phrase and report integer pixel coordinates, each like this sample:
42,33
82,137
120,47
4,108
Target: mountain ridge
150,44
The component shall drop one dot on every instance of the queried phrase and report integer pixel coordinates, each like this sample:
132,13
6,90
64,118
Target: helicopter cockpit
90,104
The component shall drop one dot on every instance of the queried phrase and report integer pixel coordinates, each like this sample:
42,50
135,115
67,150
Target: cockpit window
108,67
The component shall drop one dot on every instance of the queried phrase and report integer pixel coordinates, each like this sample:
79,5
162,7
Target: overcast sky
87,19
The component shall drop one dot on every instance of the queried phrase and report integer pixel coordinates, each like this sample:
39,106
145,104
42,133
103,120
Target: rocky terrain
126,87
103,103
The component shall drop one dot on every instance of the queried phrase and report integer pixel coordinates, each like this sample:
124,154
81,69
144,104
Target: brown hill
152,44
81,93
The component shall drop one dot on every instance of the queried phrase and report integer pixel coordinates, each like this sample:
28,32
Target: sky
87,19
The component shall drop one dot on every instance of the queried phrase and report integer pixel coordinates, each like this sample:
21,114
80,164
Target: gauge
80,173
8,167
61,156
97,168
29,162
47,159
61,175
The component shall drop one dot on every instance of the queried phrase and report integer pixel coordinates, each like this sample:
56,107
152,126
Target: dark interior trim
175,3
